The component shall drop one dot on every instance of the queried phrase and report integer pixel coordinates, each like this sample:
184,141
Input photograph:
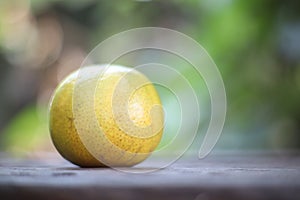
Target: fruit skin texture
106,117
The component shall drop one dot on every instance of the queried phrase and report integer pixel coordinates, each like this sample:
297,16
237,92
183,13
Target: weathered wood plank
221,176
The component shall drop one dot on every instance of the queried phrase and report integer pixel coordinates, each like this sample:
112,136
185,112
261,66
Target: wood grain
219,176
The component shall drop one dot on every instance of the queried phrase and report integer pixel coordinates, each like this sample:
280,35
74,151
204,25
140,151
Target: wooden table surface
219,176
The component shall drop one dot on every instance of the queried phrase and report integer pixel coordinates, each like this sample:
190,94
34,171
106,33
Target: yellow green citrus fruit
103,116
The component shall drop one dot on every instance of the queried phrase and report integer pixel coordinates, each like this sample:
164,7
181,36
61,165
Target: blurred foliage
255,44
27,131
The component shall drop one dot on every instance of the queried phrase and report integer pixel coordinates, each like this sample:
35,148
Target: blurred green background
255,44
